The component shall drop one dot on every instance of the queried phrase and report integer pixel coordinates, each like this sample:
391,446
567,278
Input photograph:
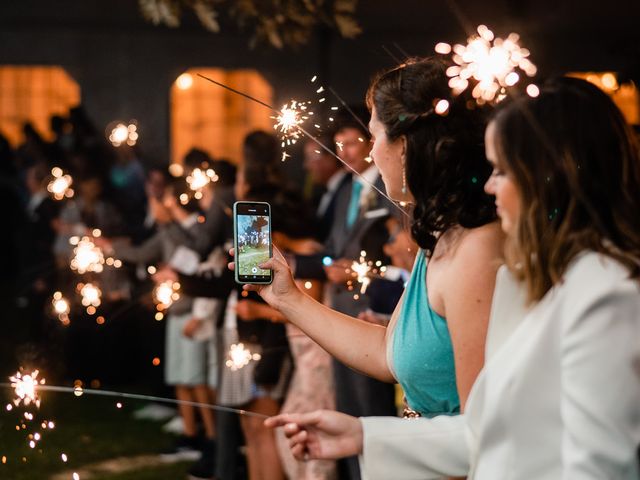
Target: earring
404,178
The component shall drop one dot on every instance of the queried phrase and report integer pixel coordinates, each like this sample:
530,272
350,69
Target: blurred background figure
327,177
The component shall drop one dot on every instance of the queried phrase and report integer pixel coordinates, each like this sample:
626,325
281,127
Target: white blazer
558,397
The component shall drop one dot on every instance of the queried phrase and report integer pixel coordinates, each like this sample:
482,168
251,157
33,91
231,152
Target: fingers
298,445
300,453
277,421
232,265
269,265
297,419
276,264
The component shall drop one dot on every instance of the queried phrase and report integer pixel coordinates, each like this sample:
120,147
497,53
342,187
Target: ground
252,257
89,430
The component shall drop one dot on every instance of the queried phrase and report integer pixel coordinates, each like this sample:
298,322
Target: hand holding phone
252,241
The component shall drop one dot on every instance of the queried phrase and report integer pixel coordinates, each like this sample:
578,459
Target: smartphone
252,241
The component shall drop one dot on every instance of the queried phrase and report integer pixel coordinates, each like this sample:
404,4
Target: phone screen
252,241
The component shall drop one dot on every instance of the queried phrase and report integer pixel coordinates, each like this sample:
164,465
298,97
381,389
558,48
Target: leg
202,394
262,453
187,412
227,458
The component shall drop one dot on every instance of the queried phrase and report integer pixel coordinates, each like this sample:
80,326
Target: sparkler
60,185
61,307
122,133
87,257
199,178
91,296
239,357
135,396
302,130
290,116
165,294
362,269
490,62
26,388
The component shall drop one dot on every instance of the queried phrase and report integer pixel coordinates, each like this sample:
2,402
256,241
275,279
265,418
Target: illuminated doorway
33,94
213,119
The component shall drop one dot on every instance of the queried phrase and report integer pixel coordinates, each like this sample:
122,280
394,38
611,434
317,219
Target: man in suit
358,224
328,177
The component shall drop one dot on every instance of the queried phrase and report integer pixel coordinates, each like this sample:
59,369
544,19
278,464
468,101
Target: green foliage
279,23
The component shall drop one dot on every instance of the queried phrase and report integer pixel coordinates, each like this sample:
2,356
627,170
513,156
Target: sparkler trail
401,50
346,107
135,396
313,138
466,25
390,53
238,92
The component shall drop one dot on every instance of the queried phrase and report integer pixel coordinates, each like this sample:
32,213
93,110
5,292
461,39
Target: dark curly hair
446,167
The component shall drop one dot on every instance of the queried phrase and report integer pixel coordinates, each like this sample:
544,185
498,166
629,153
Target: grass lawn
252,257
87,429
166,472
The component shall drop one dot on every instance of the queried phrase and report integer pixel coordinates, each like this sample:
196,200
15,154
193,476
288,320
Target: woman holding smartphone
560,398
434,345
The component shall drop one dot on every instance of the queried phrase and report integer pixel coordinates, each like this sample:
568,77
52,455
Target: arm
420,448
389,447
214,287
356,343
251,310
204,235
467,292
148,252
601,388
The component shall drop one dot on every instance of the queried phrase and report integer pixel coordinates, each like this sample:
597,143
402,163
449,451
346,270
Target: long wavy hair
446,167
575,162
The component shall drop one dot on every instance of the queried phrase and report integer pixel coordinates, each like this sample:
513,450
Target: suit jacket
326,218
368,233
558,397
216,229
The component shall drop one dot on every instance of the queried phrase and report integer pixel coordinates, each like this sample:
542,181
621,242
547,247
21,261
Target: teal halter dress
422,353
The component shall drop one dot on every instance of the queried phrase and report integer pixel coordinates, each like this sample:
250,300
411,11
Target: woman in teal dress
432,161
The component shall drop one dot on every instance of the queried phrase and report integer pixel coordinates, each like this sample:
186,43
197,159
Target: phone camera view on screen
253,242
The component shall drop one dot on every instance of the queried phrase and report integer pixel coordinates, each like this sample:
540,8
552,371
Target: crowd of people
508,311
163,231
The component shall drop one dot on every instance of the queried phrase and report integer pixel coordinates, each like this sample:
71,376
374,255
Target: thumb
277,254
275,264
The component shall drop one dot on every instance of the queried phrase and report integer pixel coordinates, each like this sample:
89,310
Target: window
33,94
209,117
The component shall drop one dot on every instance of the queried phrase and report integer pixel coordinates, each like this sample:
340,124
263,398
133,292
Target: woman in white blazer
559,395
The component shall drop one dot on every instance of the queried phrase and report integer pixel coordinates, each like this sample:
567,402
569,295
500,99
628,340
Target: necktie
354,203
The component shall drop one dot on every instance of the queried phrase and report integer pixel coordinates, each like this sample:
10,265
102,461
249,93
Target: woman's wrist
292,303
